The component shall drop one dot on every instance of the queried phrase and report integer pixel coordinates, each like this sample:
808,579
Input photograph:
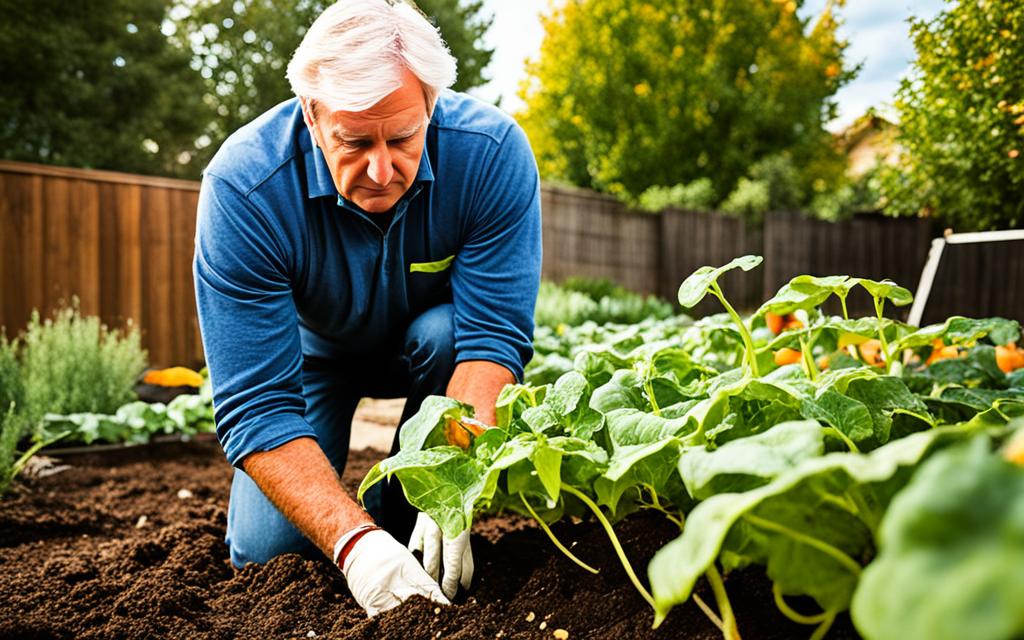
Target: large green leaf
443,482
810,526
514,399
426,428
803,292
624,390
648,466
750,462
951,553
843,413
695,287
958,330
887,290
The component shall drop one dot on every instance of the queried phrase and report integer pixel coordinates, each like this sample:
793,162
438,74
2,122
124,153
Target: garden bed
129,544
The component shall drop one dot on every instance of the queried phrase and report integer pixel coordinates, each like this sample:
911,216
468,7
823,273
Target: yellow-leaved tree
629,94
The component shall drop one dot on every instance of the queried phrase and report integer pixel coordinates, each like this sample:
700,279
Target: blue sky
877,31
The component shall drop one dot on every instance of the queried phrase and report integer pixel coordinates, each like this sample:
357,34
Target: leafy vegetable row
789,466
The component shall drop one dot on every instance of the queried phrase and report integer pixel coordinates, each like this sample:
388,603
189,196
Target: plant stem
712,616
865,512
796,617
25,457
649,388
748,343
842,301
822,629
615,542
810,368
547,530
729,629
829,550
879,308
832,431
655,504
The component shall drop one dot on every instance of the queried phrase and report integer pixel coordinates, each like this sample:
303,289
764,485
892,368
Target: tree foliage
962,119
626,95
95,84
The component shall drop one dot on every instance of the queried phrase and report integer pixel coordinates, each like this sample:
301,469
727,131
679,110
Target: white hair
353,55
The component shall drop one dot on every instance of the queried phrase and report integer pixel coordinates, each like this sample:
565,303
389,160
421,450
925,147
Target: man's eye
401,140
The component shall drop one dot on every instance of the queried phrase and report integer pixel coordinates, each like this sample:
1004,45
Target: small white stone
561,634
543,626
142,521
437,635
530,616
311,634
185,494
437,611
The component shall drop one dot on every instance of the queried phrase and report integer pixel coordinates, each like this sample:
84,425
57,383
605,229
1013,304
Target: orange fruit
941,352
1009,358
787,356
457,433
871,353
775,322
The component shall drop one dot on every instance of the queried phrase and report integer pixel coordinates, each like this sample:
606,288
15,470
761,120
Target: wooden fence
123,245
120,243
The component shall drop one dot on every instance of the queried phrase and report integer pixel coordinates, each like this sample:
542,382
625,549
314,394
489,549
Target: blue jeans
420,366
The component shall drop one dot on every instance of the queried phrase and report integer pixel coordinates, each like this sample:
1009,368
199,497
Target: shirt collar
319,182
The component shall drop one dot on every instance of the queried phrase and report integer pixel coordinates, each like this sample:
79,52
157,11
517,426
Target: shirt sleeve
497,270
248,322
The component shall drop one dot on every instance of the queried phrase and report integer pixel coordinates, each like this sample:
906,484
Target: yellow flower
642,89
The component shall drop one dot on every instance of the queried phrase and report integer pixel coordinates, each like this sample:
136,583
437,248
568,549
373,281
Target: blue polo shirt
286,268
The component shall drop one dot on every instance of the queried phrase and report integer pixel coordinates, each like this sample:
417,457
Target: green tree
463,27
630,94
242,48
96,84
962,119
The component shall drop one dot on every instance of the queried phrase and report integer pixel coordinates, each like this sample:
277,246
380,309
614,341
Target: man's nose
380,170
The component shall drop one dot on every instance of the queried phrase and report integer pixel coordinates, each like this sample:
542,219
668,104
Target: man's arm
302,484
478,382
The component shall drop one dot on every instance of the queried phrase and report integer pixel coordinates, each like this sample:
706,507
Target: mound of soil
130,545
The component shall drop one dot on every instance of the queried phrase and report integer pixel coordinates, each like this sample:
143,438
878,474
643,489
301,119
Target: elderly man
378,235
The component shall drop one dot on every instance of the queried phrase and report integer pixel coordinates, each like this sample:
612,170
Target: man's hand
381,573
455,554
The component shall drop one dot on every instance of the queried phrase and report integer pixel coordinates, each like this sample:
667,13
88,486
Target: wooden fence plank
123,244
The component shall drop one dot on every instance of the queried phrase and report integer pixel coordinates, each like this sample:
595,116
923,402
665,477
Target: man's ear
307,116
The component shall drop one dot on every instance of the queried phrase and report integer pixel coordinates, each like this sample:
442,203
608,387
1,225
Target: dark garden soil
130,545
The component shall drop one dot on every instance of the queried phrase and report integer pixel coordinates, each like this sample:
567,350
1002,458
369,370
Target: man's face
373,155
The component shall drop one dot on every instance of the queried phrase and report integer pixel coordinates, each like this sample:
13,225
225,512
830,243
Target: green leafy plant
698,195
704,281
750,199
73,363
950,552
579,300
789,467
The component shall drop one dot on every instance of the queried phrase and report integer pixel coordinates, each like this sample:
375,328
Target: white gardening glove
454,553
381,574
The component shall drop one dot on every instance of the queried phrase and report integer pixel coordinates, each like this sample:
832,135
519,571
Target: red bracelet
352,543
